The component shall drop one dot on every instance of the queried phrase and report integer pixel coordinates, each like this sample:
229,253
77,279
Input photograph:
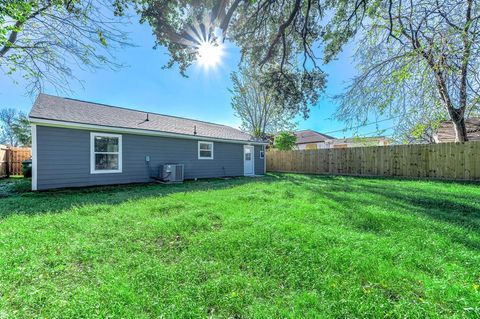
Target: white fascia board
101,128
34,157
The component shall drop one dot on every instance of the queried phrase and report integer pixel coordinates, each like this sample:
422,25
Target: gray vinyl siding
259,163
63,158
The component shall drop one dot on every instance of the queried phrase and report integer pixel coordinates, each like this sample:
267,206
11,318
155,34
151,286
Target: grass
279,246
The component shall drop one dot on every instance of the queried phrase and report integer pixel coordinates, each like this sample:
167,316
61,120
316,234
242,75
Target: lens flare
209,54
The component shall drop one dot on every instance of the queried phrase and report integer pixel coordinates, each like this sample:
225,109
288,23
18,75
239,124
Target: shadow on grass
351,196
354,196
426,199
16,197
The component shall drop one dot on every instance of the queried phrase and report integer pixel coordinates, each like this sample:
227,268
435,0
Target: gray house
77,143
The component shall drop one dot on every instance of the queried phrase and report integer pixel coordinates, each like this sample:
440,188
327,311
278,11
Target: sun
209,54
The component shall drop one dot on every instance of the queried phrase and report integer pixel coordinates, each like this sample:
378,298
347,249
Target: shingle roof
362,139
446,131
69,110
310,136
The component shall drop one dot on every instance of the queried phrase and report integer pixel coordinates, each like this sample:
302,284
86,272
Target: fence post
445,161
8,161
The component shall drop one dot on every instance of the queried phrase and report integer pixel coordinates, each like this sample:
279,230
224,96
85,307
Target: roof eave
105,128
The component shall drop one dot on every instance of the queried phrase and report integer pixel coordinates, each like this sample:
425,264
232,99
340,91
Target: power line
359,126
375,132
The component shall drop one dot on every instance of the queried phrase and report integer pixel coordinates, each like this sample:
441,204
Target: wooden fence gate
11,159
460,161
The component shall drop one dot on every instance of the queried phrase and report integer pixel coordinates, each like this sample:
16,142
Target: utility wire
375,132
359,126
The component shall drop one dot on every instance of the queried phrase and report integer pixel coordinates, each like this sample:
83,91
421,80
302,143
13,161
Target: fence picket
11,159
459,161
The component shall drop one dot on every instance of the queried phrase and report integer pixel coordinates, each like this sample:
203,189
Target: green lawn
279,246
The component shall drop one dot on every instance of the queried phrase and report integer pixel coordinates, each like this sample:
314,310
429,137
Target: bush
285,141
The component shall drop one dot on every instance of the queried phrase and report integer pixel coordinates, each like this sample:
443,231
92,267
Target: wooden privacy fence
11,159
3,162
442,161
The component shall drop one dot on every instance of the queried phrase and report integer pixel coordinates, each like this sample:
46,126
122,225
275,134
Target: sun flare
209,54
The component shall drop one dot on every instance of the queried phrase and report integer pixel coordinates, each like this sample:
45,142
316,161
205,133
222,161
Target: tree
420,127
417,57
7,120
14,128
255,105
21,130
285,141
284,33
425,48
41,39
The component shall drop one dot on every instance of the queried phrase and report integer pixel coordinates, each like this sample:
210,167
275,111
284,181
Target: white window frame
92,153
262,152
198,148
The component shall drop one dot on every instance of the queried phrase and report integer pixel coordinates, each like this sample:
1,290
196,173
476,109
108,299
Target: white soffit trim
113,129
34,157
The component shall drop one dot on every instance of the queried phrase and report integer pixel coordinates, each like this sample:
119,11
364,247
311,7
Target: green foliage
285,141
14,128
293,75
296,91
22,131
40,39
275,247
409,68
419,130
255,104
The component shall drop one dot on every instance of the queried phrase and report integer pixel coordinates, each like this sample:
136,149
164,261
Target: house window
248,154
105,153
205,150
262,152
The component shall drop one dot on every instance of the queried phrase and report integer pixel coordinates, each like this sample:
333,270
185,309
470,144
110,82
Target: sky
142,84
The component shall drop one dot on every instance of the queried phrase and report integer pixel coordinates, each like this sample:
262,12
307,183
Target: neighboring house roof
360,139
310,136
446,131
63,109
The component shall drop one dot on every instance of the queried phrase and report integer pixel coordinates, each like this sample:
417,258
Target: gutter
106,128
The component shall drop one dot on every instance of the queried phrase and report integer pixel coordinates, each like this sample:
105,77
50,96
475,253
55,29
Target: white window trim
92,153
34,157
198,148
262,151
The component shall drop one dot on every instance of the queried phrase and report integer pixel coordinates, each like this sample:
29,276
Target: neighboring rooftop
311,136
359,139
56,108
446,131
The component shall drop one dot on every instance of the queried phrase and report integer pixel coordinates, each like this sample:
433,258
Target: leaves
41,39
14,128
410,66
254,103
274,36
285,141
102,39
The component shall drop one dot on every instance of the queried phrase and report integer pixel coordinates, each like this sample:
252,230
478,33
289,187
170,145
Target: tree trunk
460,129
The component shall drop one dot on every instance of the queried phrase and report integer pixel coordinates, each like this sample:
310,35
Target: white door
248,160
